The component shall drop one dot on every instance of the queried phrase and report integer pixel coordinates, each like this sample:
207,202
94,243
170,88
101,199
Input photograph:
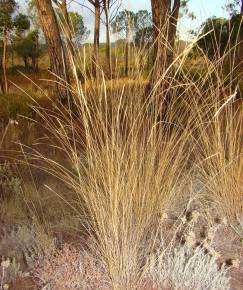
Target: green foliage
216,31
144,29
22,23
125,21
137,26
80,30
219,34
7,8
13,104
9,183
234,6
144,36
143,19
27,46
236,24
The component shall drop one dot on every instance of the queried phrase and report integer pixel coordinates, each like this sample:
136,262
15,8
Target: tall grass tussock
128,158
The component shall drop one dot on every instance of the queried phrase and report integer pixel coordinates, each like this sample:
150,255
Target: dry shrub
187,268
24,244
10,184
10,270
69,268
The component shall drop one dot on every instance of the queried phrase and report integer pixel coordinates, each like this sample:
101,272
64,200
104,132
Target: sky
201,8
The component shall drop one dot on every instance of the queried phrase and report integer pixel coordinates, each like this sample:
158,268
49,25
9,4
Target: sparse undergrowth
187,268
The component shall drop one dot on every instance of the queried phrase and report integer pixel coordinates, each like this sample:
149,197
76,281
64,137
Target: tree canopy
81,32
7,8
215,32
22,23
220,34
235,7
135,26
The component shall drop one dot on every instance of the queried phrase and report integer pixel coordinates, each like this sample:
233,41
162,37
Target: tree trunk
108,40
26,62
55,48
160,10
4,60
36,68
67,27
33,61
127,52
165,21
12,56
1,80
96,37
172,31
240,46
165,24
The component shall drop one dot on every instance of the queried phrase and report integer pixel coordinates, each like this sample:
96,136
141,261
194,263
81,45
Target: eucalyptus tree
66,25
110,8
214,37
235,8
143,28
97,4
26,46
165,14
80,31
125,23
106,5
7,9
22,24
58,61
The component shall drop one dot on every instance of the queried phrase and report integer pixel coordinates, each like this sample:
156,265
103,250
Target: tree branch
83,5
176,7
